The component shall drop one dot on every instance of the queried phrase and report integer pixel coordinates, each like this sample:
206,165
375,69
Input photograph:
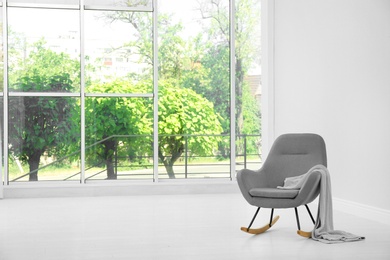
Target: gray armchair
290,155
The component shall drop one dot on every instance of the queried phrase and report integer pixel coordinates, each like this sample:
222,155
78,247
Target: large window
131,90
43,67
119,91
247,84
1,100
118,45
38,48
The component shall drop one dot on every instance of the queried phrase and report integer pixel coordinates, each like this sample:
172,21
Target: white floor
169,227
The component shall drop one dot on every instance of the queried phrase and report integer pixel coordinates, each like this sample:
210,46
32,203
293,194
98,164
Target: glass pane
192,163
194,95
44,138
248,84
1,100
1,140
118,45
127,3
1,53
119,138
45,49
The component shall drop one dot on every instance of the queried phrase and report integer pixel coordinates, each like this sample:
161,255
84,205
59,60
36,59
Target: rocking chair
291,155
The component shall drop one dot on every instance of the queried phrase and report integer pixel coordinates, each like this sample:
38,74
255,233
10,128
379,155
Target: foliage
200,64
45,63
141,48
247,52
185,117
252,114
109,118
210,78
194,93
42,124
182,112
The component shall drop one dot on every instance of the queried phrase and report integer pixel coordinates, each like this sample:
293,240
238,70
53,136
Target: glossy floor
169,227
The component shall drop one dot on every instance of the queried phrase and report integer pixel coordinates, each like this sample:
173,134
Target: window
87,101
1,99
44,87
114,35
248,84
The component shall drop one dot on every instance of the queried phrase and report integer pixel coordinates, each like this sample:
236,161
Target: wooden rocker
291,155
256,231
301,232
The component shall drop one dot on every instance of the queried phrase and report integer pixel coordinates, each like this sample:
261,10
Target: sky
48,23
53,24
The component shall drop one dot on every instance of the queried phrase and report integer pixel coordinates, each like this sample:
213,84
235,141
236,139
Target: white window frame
268,110
268,75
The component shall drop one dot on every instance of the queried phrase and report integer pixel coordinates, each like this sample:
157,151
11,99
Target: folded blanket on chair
293,183
323,230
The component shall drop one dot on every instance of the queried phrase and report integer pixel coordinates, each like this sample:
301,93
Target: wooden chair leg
301,232
256,231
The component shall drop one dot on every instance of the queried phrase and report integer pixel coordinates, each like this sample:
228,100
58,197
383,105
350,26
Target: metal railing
188,165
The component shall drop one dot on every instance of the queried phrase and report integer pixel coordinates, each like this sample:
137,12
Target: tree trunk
169,168
33,162
168,164
239,113
111,175
109,152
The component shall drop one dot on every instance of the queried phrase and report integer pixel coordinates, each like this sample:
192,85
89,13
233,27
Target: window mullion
155,91
118,8
82,93
4,127
232,89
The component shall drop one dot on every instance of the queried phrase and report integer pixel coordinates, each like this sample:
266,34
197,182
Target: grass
63,172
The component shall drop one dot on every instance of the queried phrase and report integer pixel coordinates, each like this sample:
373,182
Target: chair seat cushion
273,193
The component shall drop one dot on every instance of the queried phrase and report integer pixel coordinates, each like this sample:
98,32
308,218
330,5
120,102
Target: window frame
267,108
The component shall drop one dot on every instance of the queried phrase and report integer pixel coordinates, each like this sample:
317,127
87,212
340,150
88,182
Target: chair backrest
293,155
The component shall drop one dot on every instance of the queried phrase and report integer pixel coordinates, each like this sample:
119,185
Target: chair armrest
248,179
310,188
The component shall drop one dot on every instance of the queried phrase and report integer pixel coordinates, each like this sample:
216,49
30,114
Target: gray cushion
273,193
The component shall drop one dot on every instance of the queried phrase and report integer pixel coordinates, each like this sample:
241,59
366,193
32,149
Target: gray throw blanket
323,230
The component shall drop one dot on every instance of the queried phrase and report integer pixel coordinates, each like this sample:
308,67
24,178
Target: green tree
200,64
42,124
182,113
210,78
247,51
44,62
217,59
110,117
172,48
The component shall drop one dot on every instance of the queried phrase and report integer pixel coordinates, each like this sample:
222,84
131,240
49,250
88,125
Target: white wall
332,77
